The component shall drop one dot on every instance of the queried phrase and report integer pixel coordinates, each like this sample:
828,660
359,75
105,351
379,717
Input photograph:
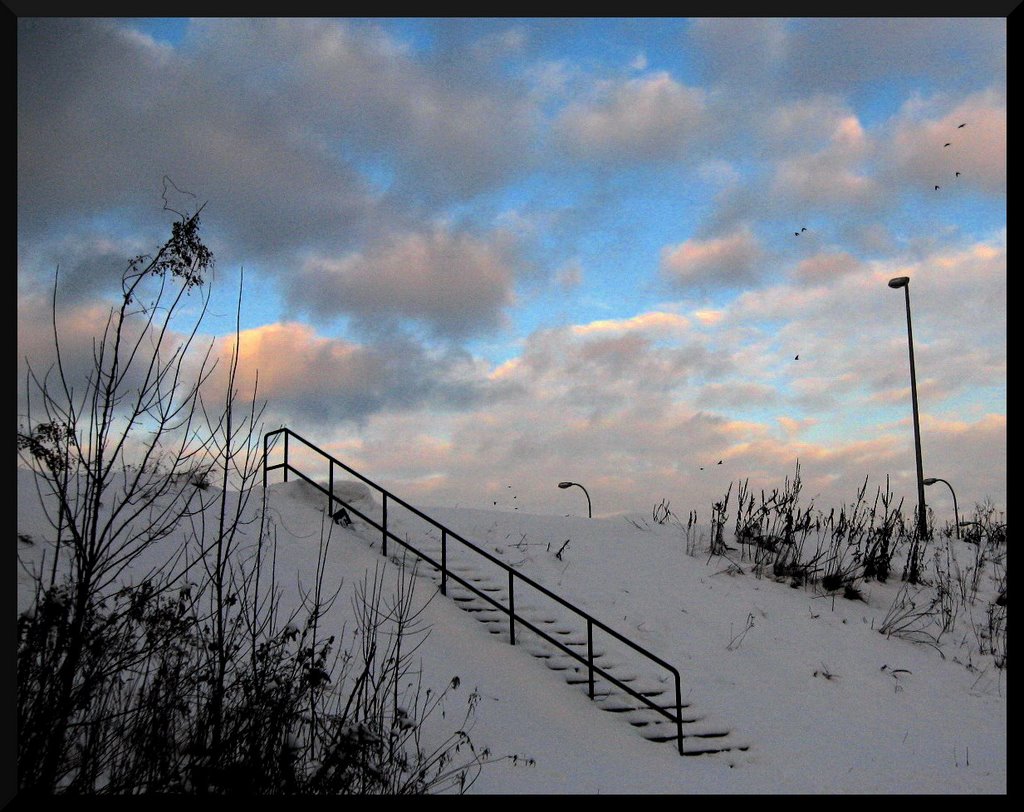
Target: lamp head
565,484
930,481
899,282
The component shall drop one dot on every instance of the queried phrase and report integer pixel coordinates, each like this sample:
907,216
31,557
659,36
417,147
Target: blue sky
491,252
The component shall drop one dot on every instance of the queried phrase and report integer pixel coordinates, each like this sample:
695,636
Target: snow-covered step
614,690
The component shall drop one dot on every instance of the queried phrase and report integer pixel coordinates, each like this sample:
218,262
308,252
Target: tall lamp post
564,485
956,513
922,520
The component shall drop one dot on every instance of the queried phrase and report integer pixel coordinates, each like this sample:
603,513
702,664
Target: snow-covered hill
822,702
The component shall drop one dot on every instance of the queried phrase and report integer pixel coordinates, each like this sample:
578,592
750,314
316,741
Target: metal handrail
513,575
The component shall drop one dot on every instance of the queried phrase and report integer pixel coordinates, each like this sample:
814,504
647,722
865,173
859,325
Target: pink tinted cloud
826,267
729,260
977,150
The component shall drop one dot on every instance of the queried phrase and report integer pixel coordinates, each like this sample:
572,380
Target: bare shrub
186,677
908,618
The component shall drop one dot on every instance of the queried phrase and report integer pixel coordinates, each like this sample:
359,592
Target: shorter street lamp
983,529
956,514
565,485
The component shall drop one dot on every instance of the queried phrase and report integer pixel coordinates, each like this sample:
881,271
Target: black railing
447,574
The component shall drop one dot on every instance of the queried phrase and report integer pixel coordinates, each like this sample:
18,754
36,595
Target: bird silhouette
936,188
962,125
958,174
946,144
719,462
804,228
797,358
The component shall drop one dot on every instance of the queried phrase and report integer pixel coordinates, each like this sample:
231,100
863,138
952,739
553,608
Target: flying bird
797,358
719,462
947,144
962,125
958,174
936,188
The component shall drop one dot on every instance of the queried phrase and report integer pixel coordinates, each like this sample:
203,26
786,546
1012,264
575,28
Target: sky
822,702
503,253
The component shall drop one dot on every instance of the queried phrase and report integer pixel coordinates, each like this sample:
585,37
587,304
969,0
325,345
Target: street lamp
956,513
564,485
922,521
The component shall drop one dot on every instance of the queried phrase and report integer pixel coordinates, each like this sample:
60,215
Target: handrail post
384,523
444,560
679,716
286,456
511,609
330,485
590,654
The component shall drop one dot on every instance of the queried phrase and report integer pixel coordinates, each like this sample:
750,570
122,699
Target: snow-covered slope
825,703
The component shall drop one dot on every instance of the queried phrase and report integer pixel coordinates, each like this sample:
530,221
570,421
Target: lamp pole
956,513
922,519
565,485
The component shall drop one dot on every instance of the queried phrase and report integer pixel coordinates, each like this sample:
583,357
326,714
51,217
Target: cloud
730,261
103,116
395,185
570,275
793,426
87,335
825,267
322,380
296,132
651,118
78,325
641,451
968,448
916,153
454,283
652,322
829,175
741,51
85,266
763,58
842,53
446,129
732,395
708,318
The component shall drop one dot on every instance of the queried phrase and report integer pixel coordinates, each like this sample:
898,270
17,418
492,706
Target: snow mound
350,491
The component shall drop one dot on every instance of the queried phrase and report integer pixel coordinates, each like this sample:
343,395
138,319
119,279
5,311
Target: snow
820,700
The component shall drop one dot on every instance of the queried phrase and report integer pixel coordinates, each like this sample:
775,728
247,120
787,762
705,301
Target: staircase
620,676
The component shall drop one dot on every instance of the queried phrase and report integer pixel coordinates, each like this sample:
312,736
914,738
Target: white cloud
455,283
649,118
